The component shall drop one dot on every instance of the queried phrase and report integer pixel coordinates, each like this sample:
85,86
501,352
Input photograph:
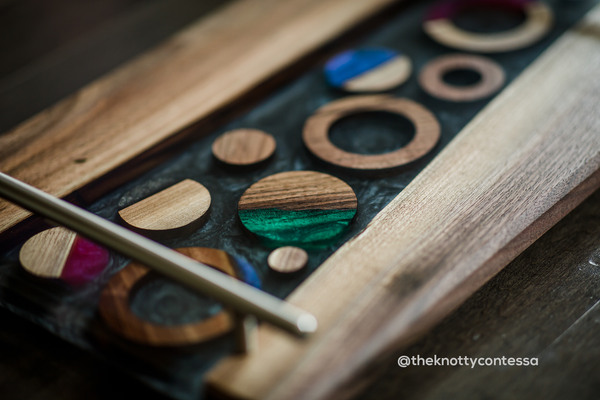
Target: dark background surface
542,305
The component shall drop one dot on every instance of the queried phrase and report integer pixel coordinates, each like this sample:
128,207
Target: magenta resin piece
85,262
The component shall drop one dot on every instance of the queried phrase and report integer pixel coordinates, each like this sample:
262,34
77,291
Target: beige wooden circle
316,132
431,77
244,147
178,210
46,253
538,22
287,259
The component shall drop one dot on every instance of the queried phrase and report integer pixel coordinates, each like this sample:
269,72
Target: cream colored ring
431,77
538,22
316,132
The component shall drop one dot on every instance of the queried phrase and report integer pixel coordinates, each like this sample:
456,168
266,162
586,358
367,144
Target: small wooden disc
115,310
287,259
300,208
431,77
316,133
440,27
61,253
368,70
177,210
244,147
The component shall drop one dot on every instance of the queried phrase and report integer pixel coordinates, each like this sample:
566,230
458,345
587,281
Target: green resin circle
298,208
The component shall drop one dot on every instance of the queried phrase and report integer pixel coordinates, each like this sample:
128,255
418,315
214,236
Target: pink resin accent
450,9
86,261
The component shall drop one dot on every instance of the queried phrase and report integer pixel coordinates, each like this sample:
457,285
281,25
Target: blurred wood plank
199,70
491,192
48,64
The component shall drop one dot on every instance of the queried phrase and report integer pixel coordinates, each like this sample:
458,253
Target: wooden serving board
523,163
190,76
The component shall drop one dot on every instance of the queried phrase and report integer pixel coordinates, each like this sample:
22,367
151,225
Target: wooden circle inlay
431,77
298,208
116,312
177,210
244,147
62,254
316,132
440,27
368,70
287,259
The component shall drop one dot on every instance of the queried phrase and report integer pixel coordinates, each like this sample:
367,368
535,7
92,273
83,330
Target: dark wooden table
544,304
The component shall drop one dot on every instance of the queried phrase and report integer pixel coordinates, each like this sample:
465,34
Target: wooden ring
116,312
316,132
431,77
440,27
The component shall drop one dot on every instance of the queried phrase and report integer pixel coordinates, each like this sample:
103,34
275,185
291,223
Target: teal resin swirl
306,228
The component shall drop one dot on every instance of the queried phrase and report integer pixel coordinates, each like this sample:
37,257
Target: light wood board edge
140,104
447,233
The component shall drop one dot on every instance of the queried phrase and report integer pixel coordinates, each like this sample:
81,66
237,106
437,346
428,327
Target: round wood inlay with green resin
298,208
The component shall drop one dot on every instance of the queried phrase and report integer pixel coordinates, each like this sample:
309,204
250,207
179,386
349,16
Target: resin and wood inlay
440,27
287,259
115,309
177,210
299,208
62,254
243,147
368,70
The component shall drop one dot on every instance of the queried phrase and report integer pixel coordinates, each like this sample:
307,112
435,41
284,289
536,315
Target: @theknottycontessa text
464,361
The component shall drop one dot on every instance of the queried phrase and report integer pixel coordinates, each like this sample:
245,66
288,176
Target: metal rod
240,296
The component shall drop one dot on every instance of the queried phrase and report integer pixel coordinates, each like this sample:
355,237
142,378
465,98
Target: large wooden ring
115,310
538,22
431,77
316,132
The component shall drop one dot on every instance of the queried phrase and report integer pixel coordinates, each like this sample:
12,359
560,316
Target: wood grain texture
431,78
46,253
177,210
384,77
297,191
457,224
201,69
316,133
537,24
287,259
243,147
116,312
